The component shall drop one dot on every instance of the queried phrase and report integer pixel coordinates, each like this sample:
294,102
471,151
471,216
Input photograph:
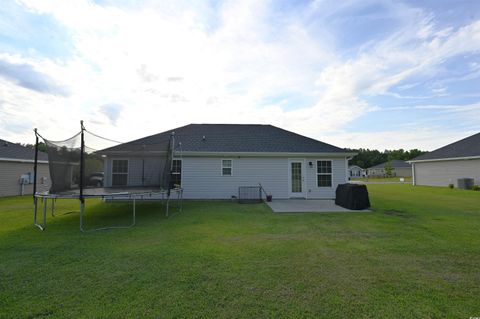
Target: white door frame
303,193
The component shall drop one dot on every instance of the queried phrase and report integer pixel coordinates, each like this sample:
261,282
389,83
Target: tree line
42,147
368,158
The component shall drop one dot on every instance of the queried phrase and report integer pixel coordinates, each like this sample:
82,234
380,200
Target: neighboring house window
119,172
324,173
176,178
227,167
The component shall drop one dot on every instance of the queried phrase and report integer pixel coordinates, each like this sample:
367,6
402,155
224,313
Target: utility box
24,179
465,183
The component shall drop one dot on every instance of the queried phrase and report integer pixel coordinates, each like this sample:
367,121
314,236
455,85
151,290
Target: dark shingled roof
469,146
395,164
230,138
18,152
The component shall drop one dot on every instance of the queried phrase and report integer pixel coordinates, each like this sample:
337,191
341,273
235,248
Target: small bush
476,188
450,186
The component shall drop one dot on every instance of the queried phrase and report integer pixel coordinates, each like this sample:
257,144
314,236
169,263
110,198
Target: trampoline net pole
134,213
35,199
82,206
82,160
35,167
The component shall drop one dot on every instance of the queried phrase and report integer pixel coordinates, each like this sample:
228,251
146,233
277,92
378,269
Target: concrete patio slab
307,206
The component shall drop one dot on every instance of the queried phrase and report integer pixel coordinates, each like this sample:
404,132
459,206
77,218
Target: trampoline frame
123,196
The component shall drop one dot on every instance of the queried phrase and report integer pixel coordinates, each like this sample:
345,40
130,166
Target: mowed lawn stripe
415,255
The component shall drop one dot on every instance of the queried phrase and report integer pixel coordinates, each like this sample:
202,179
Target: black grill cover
352,196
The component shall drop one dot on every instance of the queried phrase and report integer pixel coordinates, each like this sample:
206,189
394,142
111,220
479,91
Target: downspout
413,175
346,167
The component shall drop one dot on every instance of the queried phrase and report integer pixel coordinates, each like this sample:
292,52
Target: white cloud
172,64
423,139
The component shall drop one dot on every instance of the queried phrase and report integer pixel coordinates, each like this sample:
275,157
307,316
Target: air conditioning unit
465,183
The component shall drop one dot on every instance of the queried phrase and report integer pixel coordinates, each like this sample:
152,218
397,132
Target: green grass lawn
416,255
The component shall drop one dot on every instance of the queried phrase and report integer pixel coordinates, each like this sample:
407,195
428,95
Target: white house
355,171
16,170
211,161
447,164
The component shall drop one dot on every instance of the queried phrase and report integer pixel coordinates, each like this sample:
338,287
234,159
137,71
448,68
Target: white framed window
227,167
176,178
119,172
324,173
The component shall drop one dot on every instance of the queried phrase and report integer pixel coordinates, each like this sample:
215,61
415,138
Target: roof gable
230,138
394,163
355,167
467,147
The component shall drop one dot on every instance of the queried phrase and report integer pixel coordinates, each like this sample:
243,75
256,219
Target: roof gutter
445,159
19,160
265,154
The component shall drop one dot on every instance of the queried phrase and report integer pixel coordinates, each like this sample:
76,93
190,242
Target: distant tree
41,146
388,169
414,153
368,158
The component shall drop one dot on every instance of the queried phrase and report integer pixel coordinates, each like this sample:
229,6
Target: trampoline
89,166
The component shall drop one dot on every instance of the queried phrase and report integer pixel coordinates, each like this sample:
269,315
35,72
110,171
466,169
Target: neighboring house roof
467,147
394,163
16,152
229,138
354,167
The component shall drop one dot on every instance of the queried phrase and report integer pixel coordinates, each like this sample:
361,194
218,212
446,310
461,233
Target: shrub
450,186
476,188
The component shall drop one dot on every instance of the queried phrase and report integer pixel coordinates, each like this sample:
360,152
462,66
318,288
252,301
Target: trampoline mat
106,191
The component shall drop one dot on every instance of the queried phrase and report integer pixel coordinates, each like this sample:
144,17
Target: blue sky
372,74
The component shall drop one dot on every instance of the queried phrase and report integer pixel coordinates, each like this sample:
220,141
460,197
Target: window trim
318,174
181,169
111,170
222,167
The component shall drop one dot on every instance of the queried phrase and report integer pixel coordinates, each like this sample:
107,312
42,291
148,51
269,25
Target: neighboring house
449,163
399,169
16,170
355,171
212,161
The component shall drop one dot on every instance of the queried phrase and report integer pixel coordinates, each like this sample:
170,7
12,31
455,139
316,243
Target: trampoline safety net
88,165
87,161
250,194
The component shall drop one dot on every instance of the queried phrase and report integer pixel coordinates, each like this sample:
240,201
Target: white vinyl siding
10,173
202,179
442,173
339,176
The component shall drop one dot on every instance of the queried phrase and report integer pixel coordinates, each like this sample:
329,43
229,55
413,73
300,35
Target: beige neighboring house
399,169
447,164
16,170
